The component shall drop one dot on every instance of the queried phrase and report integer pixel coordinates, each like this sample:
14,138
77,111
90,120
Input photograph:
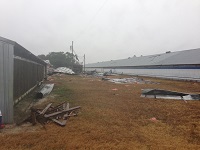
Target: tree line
61,59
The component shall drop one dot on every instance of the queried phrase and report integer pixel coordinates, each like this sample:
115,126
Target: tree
43,57
71,58
57,59
61,59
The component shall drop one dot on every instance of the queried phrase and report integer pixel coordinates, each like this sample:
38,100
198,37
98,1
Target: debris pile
158,93
130,80
94,73
109,73
99,74
58,114
64,70
50,69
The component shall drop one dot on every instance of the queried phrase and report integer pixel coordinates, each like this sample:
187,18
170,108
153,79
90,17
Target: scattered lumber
58,114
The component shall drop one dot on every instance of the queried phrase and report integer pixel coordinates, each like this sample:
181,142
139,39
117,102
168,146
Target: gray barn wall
27,74
29,70
20,72
6,81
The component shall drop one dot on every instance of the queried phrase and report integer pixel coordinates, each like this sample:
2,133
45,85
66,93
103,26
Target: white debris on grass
127,80
132,80
64,70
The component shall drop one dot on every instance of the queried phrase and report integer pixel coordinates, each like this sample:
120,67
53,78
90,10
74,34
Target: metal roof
7,40
22,52
169,58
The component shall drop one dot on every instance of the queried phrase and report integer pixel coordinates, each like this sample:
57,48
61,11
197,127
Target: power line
99,10
93,18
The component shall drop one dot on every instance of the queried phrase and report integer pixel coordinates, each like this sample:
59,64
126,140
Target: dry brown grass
116,119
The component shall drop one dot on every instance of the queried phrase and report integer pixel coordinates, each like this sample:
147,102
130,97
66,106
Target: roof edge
7,40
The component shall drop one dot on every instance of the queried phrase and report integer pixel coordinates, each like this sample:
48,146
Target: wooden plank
45,109
56,108
65,106
33,118
70,115
60,112
63,123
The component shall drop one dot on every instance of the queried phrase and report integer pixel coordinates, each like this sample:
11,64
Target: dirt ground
113,119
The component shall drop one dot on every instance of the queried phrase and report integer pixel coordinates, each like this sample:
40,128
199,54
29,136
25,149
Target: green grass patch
63,94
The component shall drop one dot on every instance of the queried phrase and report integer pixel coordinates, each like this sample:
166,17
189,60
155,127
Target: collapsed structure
174,65
20,72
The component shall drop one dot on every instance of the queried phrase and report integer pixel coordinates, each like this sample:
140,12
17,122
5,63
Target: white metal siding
187,74
187,58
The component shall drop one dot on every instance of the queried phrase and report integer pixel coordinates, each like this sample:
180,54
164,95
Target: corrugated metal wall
29,70
6,81
20,71
26,75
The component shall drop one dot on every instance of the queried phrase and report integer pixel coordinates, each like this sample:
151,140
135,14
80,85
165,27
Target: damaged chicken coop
180,65
20,72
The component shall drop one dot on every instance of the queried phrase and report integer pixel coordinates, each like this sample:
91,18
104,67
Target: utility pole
84,63
72,48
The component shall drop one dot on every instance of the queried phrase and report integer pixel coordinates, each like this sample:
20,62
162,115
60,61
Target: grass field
115,119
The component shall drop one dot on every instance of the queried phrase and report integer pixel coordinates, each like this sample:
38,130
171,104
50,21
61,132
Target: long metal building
174,65
20,72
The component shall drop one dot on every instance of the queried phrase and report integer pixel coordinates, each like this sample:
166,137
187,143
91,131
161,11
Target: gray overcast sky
102,29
